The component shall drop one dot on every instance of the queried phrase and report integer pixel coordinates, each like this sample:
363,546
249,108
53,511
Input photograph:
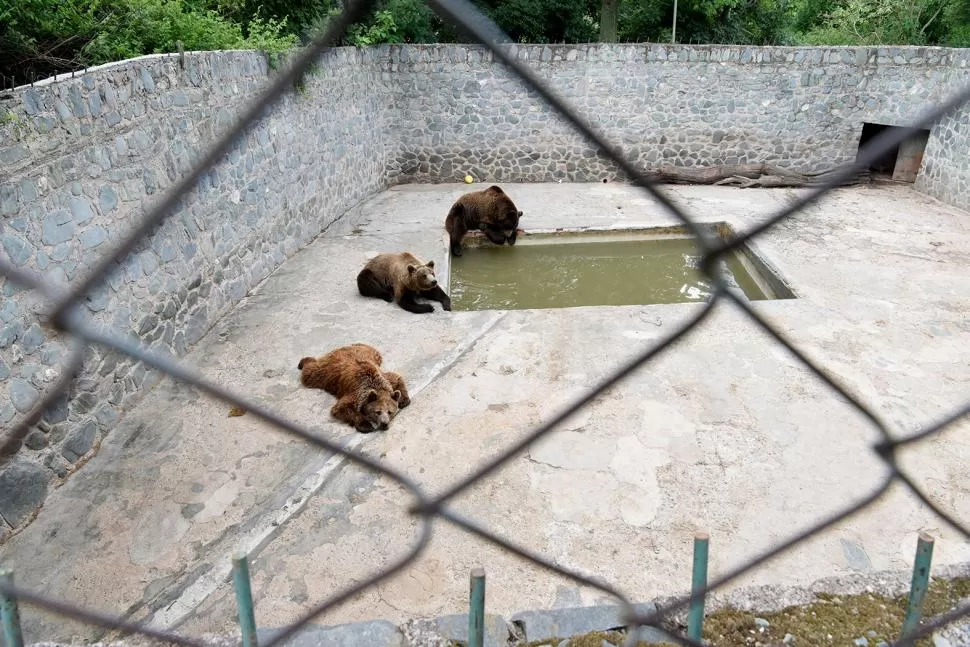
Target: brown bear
401,277
489,210
367,397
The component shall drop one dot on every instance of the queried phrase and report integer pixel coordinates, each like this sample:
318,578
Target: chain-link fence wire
67,316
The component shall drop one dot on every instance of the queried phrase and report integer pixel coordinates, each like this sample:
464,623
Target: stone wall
800,108
946,162
83,158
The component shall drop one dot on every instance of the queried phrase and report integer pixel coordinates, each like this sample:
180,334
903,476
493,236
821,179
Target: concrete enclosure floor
726,432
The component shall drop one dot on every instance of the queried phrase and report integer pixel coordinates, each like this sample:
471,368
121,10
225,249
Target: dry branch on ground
750,175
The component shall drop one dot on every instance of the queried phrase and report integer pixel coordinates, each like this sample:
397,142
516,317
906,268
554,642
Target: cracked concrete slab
726,431
565,623
377,633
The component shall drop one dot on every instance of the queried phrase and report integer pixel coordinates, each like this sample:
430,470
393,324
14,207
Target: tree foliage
551,21
43,37
397,21
956,17
755,22
884,22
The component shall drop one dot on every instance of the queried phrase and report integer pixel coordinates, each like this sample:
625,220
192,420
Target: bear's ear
497,190
520,214
429,264
369,397
396,395
411,269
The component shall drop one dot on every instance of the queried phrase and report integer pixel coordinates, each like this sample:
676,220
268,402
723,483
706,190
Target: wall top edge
949,57
237,62
681,46
254,63
148,60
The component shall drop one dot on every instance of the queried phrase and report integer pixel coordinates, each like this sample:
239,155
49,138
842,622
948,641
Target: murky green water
562,275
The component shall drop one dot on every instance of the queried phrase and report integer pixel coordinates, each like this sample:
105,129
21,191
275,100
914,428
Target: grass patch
829,620
595,639
834,619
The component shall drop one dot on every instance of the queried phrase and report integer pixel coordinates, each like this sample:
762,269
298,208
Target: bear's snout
496,237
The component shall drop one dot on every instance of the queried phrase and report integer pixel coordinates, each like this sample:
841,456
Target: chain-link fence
68,316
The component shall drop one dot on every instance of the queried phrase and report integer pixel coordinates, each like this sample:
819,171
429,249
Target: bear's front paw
405,401
446,305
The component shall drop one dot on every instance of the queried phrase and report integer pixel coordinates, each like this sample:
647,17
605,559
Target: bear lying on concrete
489,210
401,277
367,397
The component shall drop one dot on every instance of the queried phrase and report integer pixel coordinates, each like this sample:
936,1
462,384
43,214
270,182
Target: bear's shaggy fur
401,277
490,210
367,397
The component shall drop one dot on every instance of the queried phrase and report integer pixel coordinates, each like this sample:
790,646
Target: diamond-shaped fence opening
68,315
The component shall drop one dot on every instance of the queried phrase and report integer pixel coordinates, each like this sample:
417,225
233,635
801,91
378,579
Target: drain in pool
552,274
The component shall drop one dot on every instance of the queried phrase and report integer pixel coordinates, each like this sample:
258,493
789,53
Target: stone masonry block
79,441
23,487
22,394
375,633
81,210
564,623
91,238
18,250
58,228
455,627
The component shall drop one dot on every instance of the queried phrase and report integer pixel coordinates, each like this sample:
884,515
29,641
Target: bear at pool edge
490,210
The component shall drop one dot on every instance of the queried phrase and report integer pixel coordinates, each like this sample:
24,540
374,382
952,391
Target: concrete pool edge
763,272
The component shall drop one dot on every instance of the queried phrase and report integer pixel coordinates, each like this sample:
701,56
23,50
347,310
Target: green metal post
695,617
476,612
921,578
244,599
9,615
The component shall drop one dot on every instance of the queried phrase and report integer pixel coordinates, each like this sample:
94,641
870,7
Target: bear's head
422,276
503,225
378,408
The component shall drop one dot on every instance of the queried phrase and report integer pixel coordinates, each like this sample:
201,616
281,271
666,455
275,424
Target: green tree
43,37
956,19
755,22
609,17
882,22
645,20
39,38
296,15
389,21
545,21
810,13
